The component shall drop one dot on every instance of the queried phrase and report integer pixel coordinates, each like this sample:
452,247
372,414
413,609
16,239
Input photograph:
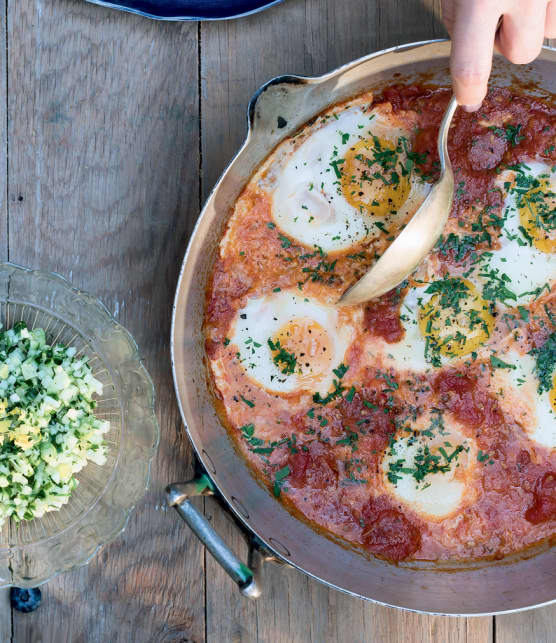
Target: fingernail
471,108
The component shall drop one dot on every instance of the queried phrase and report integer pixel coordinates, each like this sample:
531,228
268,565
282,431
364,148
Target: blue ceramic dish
190,9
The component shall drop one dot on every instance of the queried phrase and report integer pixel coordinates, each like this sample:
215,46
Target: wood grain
536,625
3,139
5,610
103,188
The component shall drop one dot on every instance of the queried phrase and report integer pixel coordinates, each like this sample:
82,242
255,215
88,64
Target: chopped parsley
334,165
337,392
510,133
496,362
460,247
283,359
286,243
424,463
545,357
523,313
323,271
390,382
496,286
248,402
279,479
436,423
451,291
262,447
350,440
340,371
536,196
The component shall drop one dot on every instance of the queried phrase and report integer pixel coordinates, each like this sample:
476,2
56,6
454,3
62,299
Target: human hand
473,27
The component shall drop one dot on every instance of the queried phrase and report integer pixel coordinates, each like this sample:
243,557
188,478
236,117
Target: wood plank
5,610
306,37
103,175
3,139
534,626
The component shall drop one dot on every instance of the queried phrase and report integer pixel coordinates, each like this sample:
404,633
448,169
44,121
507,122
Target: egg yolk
552,394
303,346
456,320
373,177
537,212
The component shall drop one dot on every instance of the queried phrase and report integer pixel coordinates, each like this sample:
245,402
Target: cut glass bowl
32,552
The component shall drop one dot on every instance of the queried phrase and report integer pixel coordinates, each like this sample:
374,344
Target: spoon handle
442,140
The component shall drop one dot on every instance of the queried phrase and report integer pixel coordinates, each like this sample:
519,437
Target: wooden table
113,129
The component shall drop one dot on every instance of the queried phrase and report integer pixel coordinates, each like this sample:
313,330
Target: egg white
262,318
308,204
438,494
409,352
517,391
527,267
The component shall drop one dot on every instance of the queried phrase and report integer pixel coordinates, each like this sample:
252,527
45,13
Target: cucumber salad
48,431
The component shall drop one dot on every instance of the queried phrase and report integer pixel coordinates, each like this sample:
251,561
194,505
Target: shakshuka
421,425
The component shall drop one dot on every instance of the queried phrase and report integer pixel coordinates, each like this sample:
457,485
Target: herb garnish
286,243
424,463
279,478
248,402
452,291
496,287
337,392
284,360
545,357
523,313
340,371
496,362
510,133
350,440
460,247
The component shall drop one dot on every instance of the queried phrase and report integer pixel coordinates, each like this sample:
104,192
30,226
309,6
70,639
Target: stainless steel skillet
277,110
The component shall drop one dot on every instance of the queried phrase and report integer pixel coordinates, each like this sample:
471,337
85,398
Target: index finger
472,49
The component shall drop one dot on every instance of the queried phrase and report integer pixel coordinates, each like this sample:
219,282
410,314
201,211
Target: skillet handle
178,495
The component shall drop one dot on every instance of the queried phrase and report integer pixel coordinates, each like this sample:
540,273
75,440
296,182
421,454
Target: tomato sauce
382,317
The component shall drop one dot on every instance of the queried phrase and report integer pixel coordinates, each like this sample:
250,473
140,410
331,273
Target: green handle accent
202,483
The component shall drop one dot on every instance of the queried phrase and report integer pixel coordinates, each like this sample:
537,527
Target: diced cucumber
48,431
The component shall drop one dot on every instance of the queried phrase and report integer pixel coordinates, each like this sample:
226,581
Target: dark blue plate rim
154,16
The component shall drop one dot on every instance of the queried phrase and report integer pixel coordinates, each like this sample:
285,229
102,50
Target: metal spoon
418,237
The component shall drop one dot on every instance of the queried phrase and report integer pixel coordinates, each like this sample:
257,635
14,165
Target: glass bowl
32,552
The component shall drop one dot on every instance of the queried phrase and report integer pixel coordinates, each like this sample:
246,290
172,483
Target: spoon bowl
418,237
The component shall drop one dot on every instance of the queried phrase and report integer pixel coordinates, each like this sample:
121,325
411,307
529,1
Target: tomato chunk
387,532
382,317
316,470
543,508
